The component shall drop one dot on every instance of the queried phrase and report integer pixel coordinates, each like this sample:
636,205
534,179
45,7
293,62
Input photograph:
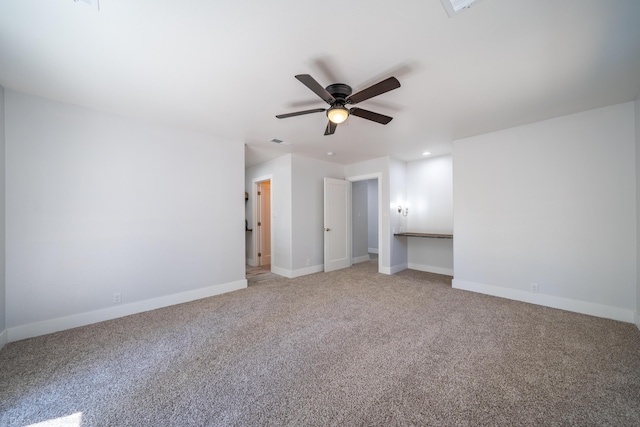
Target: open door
262,224
337,224
263,232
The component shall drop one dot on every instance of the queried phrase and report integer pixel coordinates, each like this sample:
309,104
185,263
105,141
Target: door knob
327,229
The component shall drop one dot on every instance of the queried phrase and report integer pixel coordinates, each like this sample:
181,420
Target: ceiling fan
338,95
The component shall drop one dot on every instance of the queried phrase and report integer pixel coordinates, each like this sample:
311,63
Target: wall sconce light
403,211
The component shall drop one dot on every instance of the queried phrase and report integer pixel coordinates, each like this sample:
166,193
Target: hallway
259,274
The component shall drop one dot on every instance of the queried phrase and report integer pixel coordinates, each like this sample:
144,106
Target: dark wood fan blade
312,84
370,115
377,89
299,113
331,128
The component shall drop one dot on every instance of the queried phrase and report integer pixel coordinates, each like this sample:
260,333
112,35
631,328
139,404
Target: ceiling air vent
279,141
454,6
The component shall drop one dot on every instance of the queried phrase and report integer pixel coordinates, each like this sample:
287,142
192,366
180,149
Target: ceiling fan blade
300,113
312,84
370,115
377,89
331,128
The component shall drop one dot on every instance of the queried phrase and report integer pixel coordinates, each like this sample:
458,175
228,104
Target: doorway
338,248
364,217
367,208
262,225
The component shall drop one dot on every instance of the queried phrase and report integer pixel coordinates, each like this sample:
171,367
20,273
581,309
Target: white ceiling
227,67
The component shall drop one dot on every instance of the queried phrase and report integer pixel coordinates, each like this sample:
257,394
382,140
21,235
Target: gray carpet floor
347,348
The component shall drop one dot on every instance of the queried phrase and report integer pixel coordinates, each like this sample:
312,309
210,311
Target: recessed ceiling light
426,153
330,153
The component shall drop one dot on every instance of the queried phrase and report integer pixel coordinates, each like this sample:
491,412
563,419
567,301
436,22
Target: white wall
3,324
98,204
360,221
637,126
298,204
430,197
281,230
398,196
308,212
297,200
552,203
297,211
379,167
372,208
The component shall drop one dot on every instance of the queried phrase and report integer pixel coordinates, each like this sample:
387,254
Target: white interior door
337,226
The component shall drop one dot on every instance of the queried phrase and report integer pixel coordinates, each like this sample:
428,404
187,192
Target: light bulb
337,114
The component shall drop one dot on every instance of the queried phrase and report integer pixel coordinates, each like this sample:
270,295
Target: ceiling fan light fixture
337,114
337,95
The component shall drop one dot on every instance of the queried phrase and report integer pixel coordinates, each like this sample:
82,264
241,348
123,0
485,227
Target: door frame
367,177
255,185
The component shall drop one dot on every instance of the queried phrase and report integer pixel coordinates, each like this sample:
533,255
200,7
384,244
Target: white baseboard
281,271
120,310
359,259
393,269
598,310
307,270
638,319
291,274
250,263
4,338
372,250
431,269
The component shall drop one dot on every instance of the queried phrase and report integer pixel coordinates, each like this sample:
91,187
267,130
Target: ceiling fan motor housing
340,92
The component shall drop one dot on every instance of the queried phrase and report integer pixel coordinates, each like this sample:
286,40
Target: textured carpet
351,347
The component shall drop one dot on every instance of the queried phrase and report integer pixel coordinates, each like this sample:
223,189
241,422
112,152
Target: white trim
4,338
397,268
281,271
372,250
431,269
307,270
638,319
593,309
82,319
292,274
359,259
249,262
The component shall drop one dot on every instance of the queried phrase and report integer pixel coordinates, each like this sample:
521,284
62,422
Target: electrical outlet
117,298
308,262
535,288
